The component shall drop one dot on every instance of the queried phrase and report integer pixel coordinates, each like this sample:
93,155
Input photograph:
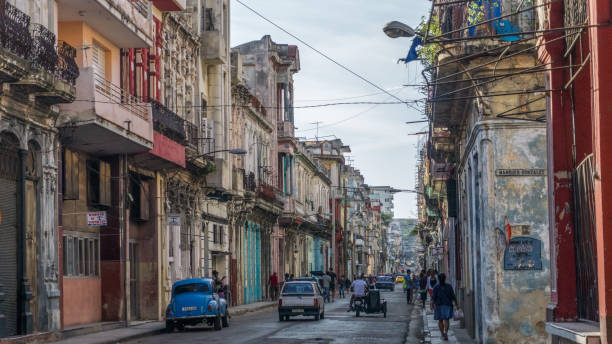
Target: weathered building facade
484,194
578,170
268,70
35,76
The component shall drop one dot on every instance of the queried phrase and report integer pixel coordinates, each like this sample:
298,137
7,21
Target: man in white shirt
359,287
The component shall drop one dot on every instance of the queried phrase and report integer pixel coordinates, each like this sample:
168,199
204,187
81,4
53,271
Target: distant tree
386,219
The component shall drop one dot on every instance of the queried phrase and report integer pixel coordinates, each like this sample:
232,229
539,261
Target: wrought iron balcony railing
141,6
43,54
67,69
14,29
36,43
120,96
193,136
168,123
249,182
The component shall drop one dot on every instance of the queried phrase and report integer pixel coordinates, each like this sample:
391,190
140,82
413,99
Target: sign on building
437,251
97,218
174,219
521,172
523,253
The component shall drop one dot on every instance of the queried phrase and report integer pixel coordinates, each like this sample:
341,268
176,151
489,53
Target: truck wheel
169,327
225,320
217,322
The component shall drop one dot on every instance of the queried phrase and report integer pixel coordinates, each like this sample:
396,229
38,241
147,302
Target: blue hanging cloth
412,53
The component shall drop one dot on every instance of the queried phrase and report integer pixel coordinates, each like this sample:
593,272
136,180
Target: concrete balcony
213,47
285,130
170,5
30,61
105,120
126,23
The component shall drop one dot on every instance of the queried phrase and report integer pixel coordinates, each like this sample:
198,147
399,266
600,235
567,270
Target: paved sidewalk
150,328
433,335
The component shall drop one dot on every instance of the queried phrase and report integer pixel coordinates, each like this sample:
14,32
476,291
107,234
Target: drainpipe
124,246
24,293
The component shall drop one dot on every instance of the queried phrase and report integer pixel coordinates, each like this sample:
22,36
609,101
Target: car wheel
281,317
169,327
286,317
225,320
217,323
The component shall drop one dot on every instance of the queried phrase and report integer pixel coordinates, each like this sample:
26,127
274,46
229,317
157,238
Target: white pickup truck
301,298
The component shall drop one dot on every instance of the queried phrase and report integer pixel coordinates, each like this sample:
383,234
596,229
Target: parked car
385,282
301,298
193,302
399,279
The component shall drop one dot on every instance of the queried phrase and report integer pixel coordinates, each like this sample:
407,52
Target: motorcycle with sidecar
370,303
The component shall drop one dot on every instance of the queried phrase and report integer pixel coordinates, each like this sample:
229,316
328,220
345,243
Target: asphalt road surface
403,324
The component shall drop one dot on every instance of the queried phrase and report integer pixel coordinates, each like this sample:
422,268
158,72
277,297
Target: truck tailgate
298,300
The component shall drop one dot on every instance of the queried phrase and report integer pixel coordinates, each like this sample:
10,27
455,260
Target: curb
243,311
163,330
426,332
136,336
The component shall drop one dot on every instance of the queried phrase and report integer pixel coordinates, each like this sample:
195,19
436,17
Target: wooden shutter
99,59
71,175
105,183
144,202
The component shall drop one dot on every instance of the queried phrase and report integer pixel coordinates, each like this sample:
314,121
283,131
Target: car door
319,296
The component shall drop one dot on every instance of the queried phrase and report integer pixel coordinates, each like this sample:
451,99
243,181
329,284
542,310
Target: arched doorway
9,174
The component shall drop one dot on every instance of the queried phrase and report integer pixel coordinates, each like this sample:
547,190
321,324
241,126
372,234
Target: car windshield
298,288
383,279
191,288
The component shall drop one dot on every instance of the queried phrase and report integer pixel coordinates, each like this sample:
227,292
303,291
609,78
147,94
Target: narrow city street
339,326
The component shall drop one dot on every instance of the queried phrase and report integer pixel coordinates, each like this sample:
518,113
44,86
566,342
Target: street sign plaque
523,253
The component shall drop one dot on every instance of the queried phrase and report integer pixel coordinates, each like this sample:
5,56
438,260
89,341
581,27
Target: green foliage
428,52
386,219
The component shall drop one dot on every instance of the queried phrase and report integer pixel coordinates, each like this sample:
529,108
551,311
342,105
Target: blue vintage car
194,302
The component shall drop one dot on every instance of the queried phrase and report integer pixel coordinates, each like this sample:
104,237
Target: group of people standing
441,295
328,282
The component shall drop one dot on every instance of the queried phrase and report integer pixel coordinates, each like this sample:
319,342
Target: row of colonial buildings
138,149
513,173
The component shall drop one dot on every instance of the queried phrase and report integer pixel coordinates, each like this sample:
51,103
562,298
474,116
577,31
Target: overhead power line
348,98
265,107
325,55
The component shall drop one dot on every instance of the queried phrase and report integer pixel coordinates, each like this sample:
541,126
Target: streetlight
235,151
397,29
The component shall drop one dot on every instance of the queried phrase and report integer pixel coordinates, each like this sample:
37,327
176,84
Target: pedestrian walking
332,285
273,281
431,281
408,286
326,280
341,286
423,287
442,302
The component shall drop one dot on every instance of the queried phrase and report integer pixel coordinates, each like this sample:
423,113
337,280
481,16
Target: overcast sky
350,31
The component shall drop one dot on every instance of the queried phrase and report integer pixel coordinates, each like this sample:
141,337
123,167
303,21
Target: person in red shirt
273,286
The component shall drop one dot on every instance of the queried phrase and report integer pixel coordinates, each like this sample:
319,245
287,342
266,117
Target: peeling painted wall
510,305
